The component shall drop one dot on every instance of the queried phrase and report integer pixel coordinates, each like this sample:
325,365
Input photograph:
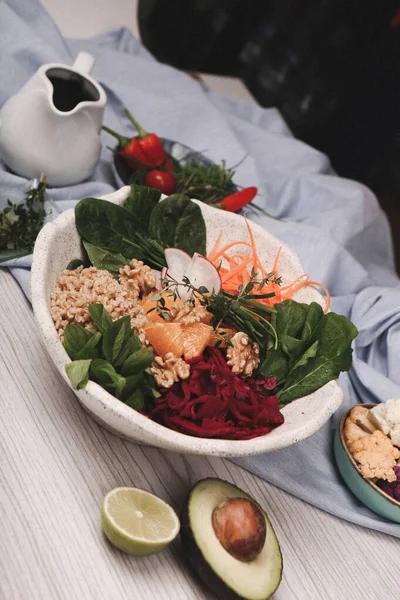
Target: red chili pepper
161,180
149,142
236,201
131,151
145,150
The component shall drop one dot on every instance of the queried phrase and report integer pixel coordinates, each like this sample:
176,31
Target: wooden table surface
56,465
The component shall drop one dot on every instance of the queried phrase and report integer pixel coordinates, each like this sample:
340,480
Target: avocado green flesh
256,580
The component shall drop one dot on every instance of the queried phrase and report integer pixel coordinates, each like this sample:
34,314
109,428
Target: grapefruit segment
196,338
165,337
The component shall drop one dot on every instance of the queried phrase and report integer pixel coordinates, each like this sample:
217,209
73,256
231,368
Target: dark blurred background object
330,66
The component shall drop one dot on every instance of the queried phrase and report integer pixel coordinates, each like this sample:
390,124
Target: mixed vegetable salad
208,345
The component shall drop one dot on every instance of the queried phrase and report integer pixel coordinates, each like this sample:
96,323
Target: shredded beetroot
216,403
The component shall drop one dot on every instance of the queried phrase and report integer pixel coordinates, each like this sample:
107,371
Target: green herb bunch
20,223
112,357
210,184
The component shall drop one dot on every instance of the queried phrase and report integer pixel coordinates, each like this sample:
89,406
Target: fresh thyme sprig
20,223
240,311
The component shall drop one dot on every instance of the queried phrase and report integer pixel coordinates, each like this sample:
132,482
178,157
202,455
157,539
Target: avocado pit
240,527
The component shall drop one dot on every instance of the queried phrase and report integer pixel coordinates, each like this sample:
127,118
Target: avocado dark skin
199,566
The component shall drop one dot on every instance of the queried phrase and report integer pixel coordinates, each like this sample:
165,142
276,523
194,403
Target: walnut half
187,314
243,357
169,370
137,278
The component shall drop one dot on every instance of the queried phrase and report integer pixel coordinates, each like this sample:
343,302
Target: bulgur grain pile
77,289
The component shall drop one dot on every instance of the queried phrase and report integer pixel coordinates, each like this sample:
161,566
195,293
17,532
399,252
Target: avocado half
228,577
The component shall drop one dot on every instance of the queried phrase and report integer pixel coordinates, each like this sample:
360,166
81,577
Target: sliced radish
158,275
178,262
203,273
199,270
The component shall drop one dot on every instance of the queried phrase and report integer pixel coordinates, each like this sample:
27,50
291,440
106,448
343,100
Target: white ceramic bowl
59,242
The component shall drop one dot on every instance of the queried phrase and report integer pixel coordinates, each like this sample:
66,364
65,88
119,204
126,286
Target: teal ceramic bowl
365,490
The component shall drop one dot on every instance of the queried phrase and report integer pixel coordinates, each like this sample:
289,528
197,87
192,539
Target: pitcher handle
84,62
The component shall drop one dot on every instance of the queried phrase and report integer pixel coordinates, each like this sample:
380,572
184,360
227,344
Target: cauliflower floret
386,416
395,435
357,424
353,432
359,415
377,416
393,412
376,456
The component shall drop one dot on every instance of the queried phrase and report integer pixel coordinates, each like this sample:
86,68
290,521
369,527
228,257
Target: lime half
138,522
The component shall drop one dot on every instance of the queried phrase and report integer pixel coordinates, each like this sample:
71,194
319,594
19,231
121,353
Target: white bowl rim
163,436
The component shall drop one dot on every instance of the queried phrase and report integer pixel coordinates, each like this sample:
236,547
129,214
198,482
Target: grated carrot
236,273
275,265
224,249
215,247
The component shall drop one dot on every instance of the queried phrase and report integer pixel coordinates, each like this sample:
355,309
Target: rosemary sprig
20,223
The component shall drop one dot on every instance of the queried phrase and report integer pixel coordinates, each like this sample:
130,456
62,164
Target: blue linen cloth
335,225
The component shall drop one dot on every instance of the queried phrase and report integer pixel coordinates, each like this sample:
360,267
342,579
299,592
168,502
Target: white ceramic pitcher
52,125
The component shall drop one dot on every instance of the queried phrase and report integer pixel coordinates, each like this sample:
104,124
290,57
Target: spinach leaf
80,343
102,258
313,349
103,223
177,222
119,341
100,316
105,374
137,362
290,318
309,353
136,400
141,202
75,338
118,364
144,383
333,354
335,334
132,383
108,226
314,315
307,379
275,365
74,264
78,373
115,338
291,346
91,349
